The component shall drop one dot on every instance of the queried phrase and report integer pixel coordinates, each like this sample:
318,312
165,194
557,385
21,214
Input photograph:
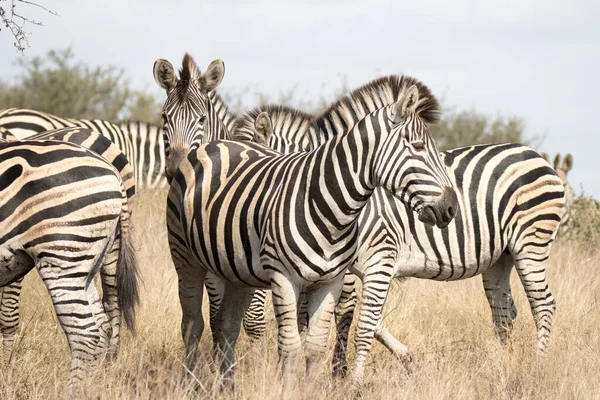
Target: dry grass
447,325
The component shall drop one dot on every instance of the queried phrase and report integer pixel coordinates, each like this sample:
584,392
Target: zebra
61,207
9,295
510,209
139,141
260,219
192,100
562,166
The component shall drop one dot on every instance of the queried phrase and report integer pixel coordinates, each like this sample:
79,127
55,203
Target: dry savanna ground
447,325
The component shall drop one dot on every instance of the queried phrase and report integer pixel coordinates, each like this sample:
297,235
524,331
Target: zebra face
186,112
411,169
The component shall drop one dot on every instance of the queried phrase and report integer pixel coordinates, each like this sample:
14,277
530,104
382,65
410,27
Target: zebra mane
377,94
189,73
228,118
284,119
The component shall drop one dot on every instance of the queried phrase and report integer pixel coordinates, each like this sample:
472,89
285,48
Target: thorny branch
15,22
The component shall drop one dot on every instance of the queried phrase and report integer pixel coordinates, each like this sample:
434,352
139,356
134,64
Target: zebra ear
213,76
546,157
408,102
567,163
557,159
263,127
411,99
164,74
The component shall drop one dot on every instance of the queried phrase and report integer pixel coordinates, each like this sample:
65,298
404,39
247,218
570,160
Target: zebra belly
427,266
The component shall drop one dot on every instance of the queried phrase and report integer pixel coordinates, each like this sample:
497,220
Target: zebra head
408,163
189,119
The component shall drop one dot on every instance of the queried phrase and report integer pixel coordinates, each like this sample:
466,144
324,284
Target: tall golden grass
447,325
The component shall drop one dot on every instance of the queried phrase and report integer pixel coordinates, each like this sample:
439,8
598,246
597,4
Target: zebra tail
127,271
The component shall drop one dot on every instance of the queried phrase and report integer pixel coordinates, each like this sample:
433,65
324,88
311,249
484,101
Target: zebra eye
202,119
419,144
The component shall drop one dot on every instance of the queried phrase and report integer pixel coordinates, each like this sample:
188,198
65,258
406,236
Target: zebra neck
226,117
341,181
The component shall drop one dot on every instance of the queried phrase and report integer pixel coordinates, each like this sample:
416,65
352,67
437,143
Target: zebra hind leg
110,299
80,314
496,283
9,317
532,272
254,319
530,254
344,313
376,284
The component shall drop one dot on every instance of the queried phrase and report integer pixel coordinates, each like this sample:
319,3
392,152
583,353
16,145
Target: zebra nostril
450,211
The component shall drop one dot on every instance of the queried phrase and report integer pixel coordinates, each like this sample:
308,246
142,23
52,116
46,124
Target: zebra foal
259,219
61,208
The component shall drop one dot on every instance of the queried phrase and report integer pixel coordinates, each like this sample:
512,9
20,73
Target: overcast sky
536,59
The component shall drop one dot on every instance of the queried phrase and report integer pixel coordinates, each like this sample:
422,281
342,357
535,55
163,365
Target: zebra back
146,161
98,144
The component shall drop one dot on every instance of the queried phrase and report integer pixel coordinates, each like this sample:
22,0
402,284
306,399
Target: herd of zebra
274,199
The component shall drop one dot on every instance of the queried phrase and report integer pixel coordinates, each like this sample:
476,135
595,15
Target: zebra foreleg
9,316
214,289
496,283
344,313
321,304
397,348
191,290
228,323
289,345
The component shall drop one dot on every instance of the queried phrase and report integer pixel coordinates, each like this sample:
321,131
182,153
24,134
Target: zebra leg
110,299
254,319
191,290
79,312
289,345
228,323
321,304
397,348
344,313
9,316
302,312
532,271
215,288
376,283
496,283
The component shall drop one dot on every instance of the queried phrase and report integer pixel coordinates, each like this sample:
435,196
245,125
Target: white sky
535,59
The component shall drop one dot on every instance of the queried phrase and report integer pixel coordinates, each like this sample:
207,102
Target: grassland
447,326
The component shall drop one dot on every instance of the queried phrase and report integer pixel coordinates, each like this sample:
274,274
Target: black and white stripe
259,219
511,203
62,207
9,295
195,114
140,142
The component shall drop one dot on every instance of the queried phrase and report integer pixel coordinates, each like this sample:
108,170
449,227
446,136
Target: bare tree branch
15,22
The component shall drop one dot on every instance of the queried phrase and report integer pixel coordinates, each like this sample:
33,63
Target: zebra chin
442,212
